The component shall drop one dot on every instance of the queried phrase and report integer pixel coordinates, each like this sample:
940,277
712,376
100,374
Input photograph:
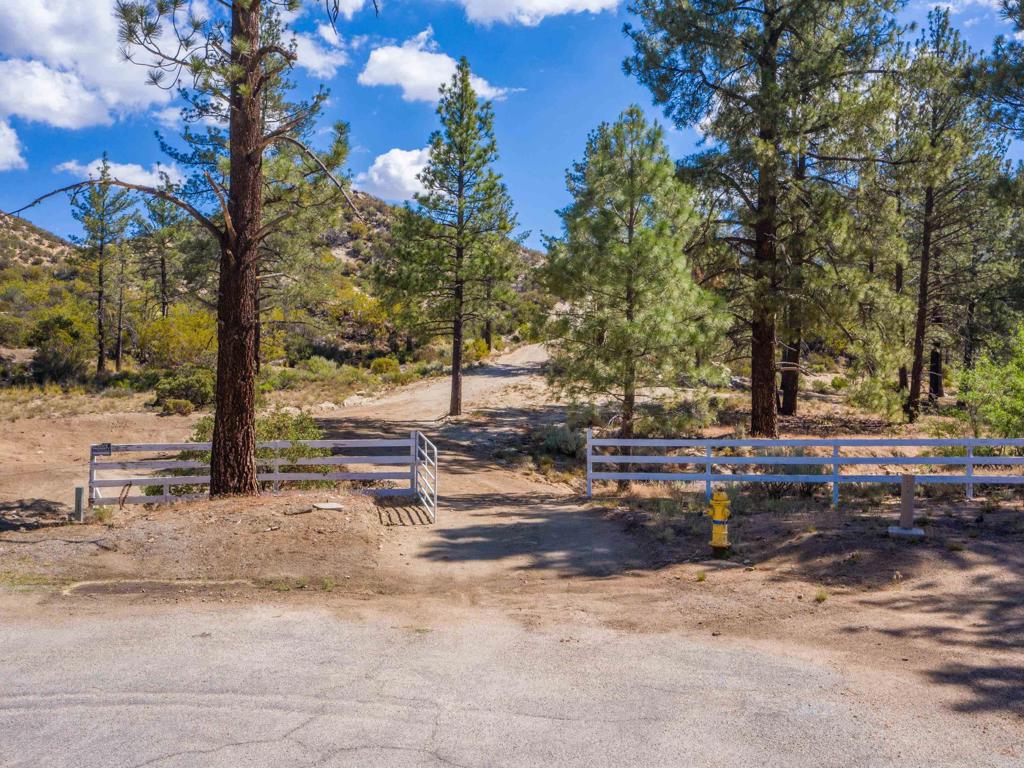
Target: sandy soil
948,613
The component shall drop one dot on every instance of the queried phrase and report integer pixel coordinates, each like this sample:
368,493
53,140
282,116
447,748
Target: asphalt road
287,687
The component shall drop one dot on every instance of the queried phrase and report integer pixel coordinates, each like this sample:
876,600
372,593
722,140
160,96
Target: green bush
476,350
384,366
276,425
62,352
319,368
674,417
185,337
993,393
195,386
562,441
839,383
173,406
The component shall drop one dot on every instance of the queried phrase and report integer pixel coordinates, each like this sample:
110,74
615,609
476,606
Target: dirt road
525,628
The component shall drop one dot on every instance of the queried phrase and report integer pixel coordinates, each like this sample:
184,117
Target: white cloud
10,148
133,173
70,48
169,117
320,60
959,6
530,12
392,175
33,91
419,69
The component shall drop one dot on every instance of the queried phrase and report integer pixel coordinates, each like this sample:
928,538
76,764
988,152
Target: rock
291,410
327,405
354,400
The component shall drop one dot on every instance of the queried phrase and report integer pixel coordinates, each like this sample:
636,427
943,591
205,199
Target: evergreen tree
947,191
105,213
160,234
630,315
767,80
234,62
449,260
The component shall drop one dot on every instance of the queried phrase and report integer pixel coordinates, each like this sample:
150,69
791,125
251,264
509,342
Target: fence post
970,472
79,510
92,473
835,476
707,474
414,468
590,463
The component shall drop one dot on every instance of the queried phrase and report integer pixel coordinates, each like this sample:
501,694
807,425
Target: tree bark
903,381
913,405
455,406
972,310
936,389
164,301
233,459
764,420
119,341
628,419
791,374
101,326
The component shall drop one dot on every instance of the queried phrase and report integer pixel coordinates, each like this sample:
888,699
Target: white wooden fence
688,455
411,461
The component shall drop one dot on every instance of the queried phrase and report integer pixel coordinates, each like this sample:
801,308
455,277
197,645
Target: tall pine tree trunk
489,323
936,389
969,332
764,420
101,326
629,382
455,406
791,374
119,341
913,405
903,382
164,301
628,420
233,459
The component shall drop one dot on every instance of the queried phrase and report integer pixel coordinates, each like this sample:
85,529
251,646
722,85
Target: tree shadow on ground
540,533
482,440
28,514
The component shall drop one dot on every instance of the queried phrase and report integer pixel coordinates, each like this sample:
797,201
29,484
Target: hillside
25,244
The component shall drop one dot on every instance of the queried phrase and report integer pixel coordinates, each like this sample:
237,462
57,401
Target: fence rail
410,461
719,453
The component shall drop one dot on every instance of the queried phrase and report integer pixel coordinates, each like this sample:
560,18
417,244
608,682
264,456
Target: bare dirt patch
277,542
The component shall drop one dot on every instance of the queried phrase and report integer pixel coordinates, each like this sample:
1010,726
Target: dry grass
53,402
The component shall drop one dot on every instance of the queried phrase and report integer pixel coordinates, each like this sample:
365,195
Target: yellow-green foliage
384,365
187,336
476,350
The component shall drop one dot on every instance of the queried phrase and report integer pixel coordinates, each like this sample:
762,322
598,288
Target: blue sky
553,66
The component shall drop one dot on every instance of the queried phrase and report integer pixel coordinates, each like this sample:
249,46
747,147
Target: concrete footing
899,532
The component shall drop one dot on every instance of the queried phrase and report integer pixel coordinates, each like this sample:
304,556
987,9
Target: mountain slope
23,243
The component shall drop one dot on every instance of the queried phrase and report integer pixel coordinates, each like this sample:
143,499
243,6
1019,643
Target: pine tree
230,66
450,259
161,232
766,79
947,191
630,314
105,213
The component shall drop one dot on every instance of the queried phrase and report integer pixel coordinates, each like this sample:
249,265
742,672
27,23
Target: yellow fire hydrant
719,514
